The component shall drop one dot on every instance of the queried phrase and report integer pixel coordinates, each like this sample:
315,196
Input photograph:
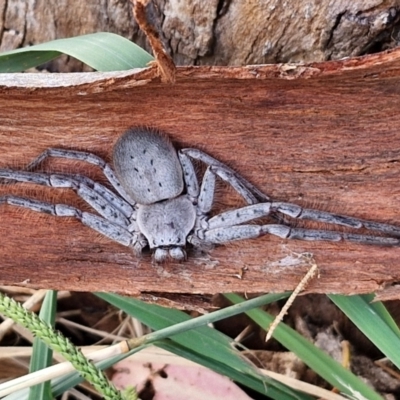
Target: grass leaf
102,51
41,353
316,359
374,321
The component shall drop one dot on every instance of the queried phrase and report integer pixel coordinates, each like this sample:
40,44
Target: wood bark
227,32
323,135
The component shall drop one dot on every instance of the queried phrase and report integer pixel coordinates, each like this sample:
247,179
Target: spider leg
86,157
226,226
240,232
239,216
189,176
219,228
298,212
110,229
207,191
248,191
100,198
119,202
245,214
203,196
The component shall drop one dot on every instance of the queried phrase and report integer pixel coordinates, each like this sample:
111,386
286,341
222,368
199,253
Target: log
322,135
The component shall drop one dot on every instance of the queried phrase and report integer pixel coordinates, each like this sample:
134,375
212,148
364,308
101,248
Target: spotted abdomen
147,165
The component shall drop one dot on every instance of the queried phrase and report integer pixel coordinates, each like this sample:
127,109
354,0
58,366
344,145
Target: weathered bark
323,135
230,32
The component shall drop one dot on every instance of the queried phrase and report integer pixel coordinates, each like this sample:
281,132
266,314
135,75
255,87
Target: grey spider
158,201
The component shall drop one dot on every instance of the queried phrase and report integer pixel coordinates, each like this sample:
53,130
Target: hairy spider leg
247,190
203,196
298,212
226,227
240,232
189,177
86,157
207,191
102,225
100,198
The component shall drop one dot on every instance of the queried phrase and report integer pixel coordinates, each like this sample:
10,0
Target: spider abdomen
147,165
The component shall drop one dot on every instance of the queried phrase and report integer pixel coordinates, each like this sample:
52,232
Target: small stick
308,257
165,64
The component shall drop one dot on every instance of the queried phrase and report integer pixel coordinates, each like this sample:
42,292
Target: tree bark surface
323,135
229,32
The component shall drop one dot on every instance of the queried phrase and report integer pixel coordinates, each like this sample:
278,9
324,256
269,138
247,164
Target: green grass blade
374,321
202,344
204,339
41,354
18,62
102,51
315,358
382,312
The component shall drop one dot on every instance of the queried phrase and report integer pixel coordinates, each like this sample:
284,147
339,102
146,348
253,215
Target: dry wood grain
323,135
